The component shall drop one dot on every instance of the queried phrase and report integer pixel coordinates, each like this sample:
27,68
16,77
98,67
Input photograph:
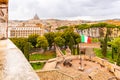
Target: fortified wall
56,74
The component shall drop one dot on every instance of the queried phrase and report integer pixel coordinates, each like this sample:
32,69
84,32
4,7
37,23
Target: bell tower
3,19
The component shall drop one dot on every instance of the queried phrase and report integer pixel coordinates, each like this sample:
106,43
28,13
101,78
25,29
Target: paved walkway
13,64
2,56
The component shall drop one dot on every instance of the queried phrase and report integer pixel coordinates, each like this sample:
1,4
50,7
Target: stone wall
53,75
58,75
13,64
111,67
3,18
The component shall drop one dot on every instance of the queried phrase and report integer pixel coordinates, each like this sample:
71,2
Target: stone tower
3,18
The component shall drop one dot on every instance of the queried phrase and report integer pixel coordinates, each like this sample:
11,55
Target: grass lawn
108,57
37,66
63,51
42,56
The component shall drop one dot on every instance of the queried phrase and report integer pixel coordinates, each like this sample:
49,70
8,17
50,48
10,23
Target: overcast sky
64,9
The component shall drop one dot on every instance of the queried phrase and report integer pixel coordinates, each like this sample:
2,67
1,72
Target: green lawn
63,51
43,56
108,57
37,66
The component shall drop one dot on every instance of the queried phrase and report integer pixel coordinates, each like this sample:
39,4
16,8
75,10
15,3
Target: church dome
36,17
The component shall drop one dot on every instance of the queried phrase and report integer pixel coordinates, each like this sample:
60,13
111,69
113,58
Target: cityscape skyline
64,9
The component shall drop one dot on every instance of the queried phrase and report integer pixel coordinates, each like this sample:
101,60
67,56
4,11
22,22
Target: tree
78,40
27,48
105,37
59,41
67,35
50,38
104,42
58,34
42,42
82,26
71,39
115,44
33,39
62,27
71,45
19,42
118,57
23,45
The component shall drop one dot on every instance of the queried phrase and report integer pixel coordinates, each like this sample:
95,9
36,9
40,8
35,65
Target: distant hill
113,21
58,23
54,23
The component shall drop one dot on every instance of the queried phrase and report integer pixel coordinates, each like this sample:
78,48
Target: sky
64,9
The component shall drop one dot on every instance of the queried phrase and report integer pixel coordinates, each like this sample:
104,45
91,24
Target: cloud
91,9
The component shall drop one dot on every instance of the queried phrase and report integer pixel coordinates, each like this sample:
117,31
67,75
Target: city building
24,31
92,32
25,28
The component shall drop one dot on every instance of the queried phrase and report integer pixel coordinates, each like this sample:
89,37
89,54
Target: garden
66,37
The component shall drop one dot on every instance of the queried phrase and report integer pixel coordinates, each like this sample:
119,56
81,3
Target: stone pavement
13,64
50,64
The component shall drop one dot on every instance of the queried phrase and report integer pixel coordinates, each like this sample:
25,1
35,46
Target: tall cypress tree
71,45
27,49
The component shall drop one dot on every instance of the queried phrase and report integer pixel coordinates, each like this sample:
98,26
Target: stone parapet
58,75
53,75
16,66
111,67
